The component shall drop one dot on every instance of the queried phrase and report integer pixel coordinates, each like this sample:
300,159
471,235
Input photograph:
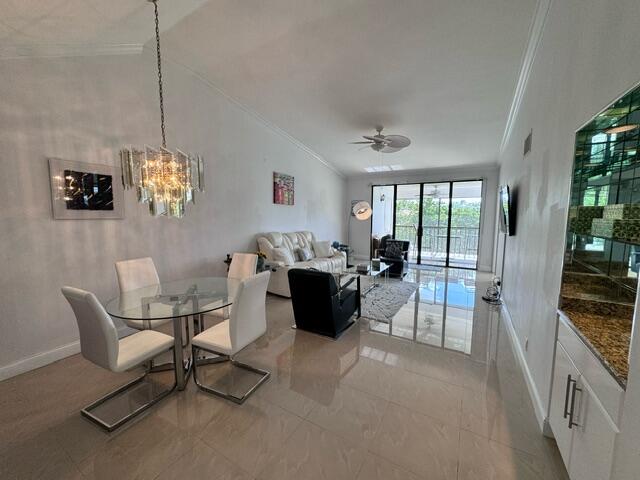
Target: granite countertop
607,336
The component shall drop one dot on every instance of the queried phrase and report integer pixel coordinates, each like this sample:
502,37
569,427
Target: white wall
359,188
588,56
87,108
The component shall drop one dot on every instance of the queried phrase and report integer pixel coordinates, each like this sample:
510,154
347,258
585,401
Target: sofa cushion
322,248
303,254
275,238
284,255
293,241
306,239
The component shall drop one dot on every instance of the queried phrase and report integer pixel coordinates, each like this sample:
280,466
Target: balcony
464,245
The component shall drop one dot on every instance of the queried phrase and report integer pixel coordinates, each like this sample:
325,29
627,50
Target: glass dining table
175,300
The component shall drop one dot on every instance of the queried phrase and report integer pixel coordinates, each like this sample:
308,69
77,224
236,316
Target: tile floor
436,395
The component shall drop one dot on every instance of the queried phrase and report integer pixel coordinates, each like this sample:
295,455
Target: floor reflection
442,310
437,393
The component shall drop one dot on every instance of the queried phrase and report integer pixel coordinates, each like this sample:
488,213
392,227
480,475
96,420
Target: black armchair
319,305
399,264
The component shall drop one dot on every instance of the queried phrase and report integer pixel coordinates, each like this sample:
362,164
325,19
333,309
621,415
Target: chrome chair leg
110,427
221,359
187,337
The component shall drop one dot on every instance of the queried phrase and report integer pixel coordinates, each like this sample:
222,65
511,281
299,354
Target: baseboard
45,358
538,405
39,360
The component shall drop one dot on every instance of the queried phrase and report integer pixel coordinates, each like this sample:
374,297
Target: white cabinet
581,423
593,437
564,374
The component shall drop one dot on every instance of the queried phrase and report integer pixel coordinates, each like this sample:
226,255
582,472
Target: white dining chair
243,265
132,275
99,344
247,323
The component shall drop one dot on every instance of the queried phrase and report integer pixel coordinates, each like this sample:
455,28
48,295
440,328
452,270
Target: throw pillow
393,249
284,255
322,248
304,254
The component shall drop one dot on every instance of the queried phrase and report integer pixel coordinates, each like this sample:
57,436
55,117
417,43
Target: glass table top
178,298
373,271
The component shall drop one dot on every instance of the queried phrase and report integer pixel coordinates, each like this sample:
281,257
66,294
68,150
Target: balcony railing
464,241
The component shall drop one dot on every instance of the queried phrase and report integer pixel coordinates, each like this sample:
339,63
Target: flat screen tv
507,213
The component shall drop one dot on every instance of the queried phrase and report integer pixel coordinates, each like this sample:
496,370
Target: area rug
383,302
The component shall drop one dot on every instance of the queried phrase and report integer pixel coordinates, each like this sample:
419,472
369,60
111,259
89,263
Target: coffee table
374,273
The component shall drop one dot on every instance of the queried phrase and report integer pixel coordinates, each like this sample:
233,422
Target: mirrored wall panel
602,257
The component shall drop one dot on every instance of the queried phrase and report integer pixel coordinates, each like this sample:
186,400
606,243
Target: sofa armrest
339,253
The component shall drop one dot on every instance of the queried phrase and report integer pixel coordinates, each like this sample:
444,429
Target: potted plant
261,259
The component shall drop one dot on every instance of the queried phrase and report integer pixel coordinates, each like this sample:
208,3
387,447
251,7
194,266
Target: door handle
573,403
566,396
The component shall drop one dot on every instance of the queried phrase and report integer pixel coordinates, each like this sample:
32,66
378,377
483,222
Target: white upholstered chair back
243,265
136,273
98,334
248,320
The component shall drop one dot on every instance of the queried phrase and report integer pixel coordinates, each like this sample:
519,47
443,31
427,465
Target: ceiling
85,22
441,72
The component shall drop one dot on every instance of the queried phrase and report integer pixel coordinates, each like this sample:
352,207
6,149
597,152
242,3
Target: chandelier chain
160,94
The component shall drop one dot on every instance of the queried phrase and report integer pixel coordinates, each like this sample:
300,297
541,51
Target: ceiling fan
385,143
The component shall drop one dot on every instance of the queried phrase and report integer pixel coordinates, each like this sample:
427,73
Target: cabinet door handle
566,396
573,404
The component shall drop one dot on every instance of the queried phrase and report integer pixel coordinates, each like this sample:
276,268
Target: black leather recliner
399,265
319,305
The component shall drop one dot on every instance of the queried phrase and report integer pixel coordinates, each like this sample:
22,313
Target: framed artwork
82,190
283,189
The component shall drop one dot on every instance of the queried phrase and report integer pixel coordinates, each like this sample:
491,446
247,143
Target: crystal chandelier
165,180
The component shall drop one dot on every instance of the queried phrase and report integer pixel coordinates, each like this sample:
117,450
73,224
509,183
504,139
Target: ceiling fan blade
356,143
365,147
373,139
389,149
397,141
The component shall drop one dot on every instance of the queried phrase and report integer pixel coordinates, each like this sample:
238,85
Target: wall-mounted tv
507,212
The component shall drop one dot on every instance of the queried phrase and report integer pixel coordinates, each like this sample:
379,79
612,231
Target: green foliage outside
465,213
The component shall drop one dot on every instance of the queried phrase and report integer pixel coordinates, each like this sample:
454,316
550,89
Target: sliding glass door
440,220
435,223
407,218
383,211
466,201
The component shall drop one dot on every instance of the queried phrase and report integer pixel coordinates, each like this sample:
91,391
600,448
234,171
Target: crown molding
68,50
535,35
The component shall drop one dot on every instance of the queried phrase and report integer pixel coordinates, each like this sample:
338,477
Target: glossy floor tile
434,394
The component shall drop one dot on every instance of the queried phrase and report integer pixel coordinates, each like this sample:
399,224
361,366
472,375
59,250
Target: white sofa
279,281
